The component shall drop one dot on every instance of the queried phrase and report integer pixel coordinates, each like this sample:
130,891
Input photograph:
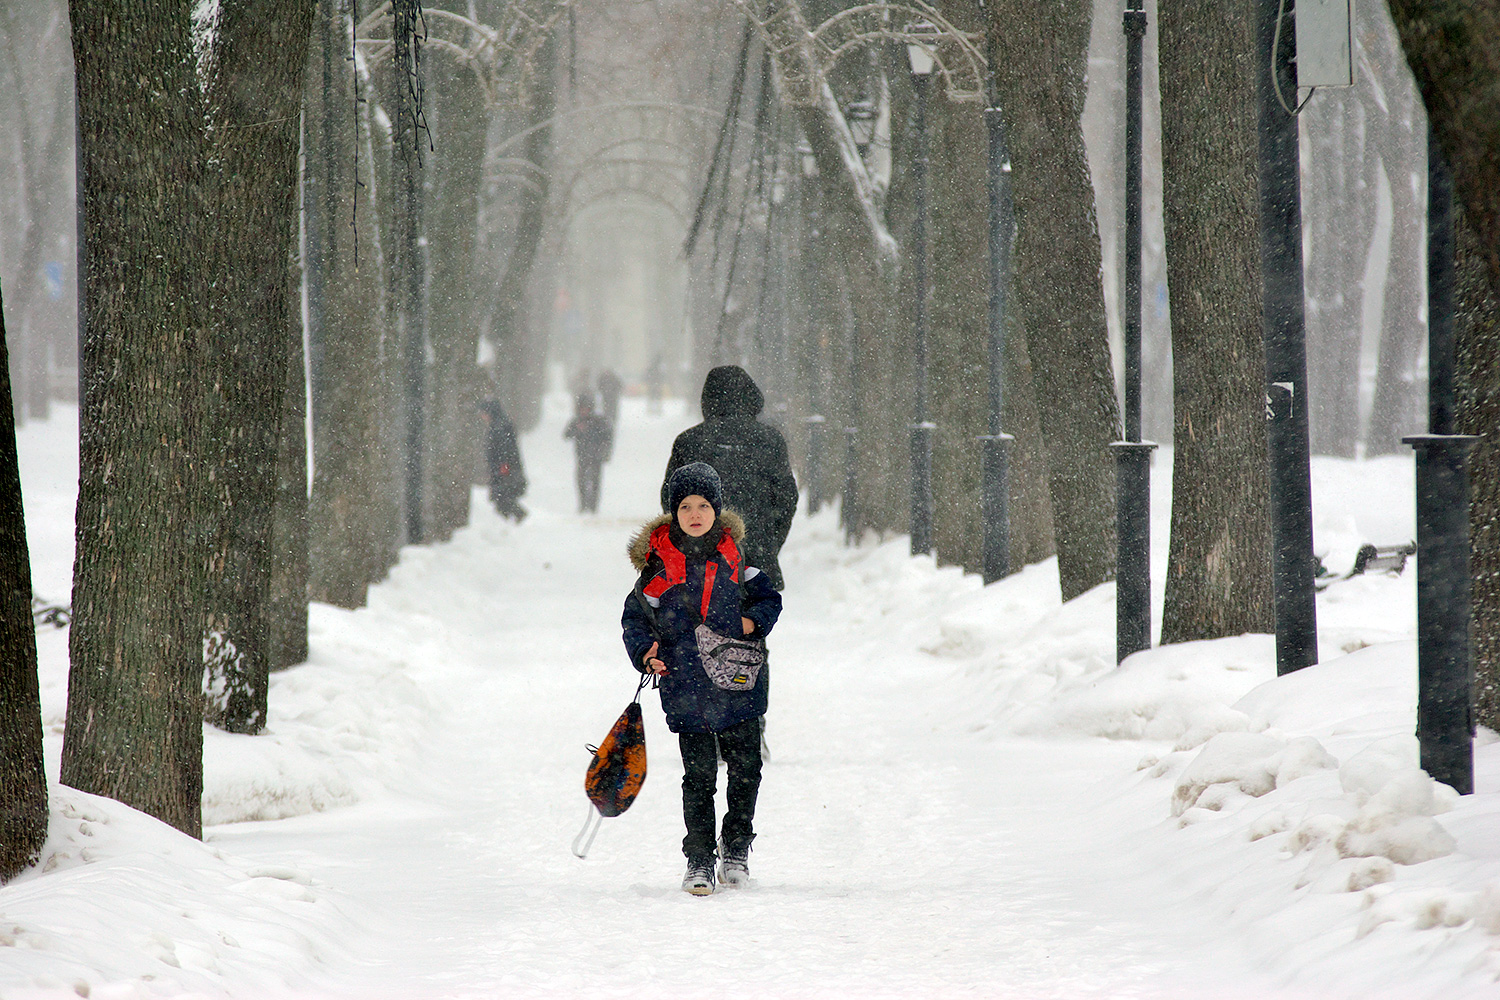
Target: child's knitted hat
696,478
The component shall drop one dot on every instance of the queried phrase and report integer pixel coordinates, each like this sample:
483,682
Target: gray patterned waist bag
732,664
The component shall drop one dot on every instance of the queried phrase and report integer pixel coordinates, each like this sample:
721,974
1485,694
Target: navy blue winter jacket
684,590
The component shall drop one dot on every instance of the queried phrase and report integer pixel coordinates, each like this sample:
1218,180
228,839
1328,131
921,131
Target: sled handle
591,824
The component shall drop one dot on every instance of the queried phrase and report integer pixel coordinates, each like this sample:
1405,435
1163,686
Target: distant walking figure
503,457
751,459
593,440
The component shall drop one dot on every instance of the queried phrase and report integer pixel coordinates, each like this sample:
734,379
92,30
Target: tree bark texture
875,394
1218,561
254,100
455,427
353,509
1450,45
135,720
288,602
23,782
959,353
1058,294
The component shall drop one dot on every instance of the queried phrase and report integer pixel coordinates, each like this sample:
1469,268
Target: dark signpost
1132,455
1445,665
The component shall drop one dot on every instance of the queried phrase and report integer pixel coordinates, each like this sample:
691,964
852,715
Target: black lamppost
993,470
1292,563
921,427
1132,455
816,421
1445,665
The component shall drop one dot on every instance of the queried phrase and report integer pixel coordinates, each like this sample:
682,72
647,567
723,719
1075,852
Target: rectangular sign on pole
1325,43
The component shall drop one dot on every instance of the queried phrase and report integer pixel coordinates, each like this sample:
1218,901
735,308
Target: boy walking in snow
692,576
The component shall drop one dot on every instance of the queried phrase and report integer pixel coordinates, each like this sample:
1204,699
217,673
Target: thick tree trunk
1450,46
23,783
352,512
1058,295
1218,562
959,355
455,427
135,719
254,104
288,609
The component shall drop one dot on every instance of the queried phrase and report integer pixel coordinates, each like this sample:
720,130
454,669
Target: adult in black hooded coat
751,460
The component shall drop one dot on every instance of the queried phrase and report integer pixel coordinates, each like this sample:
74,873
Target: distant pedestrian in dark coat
593,440
503,458
610,388
751,459
692,574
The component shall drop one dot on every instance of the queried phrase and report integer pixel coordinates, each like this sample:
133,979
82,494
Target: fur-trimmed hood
640,543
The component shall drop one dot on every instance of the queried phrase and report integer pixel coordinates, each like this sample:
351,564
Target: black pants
587,475
740,746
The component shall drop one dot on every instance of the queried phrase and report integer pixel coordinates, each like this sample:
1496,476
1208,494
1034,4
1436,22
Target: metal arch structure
607,155
803,56
501,58
640,175
684,110
622,193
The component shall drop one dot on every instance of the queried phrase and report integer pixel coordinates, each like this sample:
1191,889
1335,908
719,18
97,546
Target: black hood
729,391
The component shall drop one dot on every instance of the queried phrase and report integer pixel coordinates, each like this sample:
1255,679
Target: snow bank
121,901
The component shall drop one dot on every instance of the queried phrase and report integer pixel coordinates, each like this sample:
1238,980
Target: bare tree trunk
960,361
1059,298
1450,47
135,719
254,106
288,609
352,512
1218,562
459,119
23,783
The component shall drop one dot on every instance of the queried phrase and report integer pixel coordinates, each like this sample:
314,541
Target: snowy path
428,763
899,855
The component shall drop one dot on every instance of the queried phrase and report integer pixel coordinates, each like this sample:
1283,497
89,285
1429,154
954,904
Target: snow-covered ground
964,796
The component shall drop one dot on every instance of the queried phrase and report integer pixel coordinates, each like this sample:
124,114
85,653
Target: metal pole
1132,455
994,458
1445,665
1292,562
921,427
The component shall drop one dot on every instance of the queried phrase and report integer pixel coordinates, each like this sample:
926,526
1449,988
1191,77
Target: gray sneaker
699,879
734,863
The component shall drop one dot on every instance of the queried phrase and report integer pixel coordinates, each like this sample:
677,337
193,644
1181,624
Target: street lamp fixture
809,161
919,54
861,118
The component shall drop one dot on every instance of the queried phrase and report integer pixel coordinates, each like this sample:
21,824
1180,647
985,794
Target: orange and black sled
616,773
